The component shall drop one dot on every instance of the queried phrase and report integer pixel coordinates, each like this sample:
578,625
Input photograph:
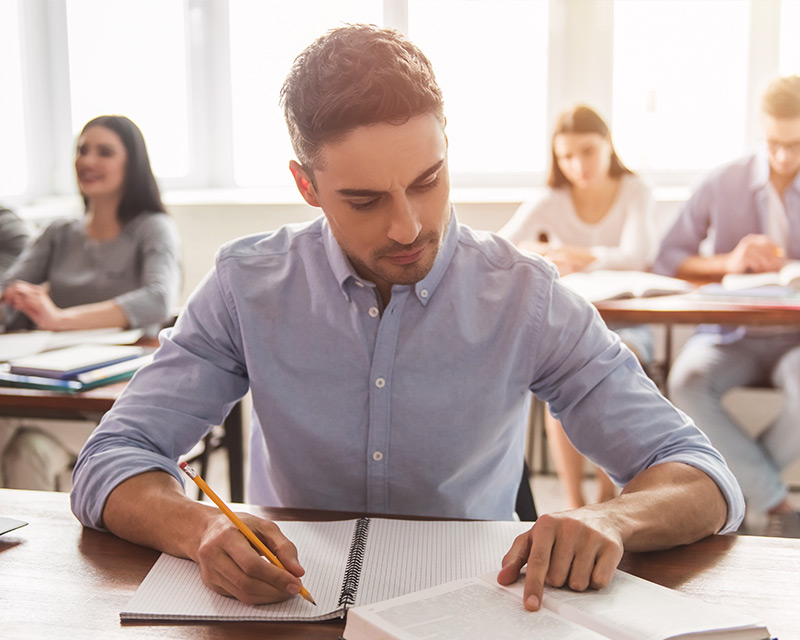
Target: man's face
385,191
783,144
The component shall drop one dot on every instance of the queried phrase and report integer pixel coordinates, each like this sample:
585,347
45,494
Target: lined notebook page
409,555
174,590
401,556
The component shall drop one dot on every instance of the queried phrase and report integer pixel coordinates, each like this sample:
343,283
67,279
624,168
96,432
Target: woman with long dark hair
118,265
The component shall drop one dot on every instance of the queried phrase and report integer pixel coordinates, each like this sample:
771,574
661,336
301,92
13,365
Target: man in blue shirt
750,209
391,354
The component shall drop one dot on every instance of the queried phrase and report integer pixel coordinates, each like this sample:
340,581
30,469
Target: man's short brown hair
782,98
353,76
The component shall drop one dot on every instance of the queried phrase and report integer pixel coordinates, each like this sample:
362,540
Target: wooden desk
92,404
62,581
684,309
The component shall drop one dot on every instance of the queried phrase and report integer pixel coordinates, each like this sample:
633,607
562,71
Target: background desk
92,404
62,581
683,309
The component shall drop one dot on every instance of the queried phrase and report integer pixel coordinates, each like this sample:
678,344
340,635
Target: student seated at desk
596,214
751,210
117,266
14,237
391,353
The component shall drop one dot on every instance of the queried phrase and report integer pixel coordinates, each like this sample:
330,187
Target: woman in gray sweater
119,264
116,266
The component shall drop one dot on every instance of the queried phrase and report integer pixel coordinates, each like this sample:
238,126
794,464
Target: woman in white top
596,214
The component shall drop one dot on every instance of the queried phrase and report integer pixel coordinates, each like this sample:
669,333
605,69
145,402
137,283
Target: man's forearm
152,509
702,267
667,505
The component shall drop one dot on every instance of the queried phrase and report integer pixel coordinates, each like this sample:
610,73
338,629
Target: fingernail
293,589
532,603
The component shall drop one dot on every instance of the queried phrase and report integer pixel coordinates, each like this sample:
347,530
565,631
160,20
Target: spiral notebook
347,563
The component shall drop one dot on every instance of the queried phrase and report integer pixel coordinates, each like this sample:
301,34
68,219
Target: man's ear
304,184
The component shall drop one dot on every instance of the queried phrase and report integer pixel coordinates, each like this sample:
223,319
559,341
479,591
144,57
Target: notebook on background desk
347,563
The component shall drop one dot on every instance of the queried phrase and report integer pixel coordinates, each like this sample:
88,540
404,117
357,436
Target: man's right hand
153,510
755,253
231,566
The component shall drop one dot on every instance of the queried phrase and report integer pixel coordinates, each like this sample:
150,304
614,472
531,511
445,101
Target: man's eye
364,206
428,185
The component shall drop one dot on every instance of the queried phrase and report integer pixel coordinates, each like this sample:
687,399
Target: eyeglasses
789,148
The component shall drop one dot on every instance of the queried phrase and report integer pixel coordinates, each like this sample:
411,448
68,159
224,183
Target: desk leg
233,443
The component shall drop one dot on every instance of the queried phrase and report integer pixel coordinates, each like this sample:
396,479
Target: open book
627,609
788,277
602,284
347,562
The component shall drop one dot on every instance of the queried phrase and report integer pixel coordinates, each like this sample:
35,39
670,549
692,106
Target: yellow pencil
239,524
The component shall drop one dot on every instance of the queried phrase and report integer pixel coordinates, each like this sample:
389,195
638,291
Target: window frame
577,73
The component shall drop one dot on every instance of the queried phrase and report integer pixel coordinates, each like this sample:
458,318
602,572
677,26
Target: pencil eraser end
182,465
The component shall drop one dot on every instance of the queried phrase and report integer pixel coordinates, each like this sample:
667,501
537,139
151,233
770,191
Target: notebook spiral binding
355,558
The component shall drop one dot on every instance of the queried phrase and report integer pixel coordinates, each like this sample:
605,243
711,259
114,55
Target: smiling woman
117,266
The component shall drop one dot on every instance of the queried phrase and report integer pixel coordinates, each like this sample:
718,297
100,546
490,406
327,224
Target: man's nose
404,226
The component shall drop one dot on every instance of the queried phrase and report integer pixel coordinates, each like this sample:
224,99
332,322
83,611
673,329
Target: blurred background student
596,214
14,236
116,266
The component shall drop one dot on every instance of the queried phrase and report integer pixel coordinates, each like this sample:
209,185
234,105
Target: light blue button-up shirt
730,203
416,408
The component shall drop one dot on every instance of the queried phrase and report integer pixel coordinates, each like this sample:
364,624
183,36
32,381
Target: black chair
525,507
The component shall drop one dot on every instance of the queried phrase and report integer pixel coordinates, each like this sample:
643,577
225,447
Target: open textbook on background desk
347,563
788,277
477,608
602,284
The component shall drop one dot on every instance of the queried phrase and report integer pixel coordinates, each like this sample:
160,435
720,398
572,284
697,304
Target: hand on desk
34,301
663,506
579,549
755,253
231,566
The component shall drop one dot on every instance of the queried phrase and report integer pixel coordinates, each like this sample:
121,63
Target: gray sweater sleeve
14,236
159,254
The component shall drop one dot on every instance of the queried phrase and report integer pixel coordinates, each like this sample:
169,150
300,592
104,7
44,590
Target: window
493,78
262,51
680,96
790,43
129,58
678,81
13,159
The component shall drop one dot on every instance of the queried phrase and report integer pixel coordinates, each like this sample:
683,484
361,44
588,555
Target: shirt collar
343,271
759,173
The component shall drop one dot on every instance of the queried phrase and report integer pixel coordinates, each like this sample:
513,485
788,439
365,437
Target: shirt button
359,283
380,383
377,456
423,293
373,312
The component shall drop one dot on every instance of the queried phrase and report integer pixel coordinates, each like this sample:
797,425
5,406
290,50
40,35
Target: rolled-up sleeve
683,238
196,377
610,409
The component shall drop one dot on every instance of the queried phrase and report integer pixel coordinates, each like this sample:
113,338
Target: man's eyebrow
371,193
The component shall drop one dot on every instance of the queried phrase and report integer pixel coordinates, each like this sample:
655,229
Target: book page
174,590
600,285
471,609
407,555
631,608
